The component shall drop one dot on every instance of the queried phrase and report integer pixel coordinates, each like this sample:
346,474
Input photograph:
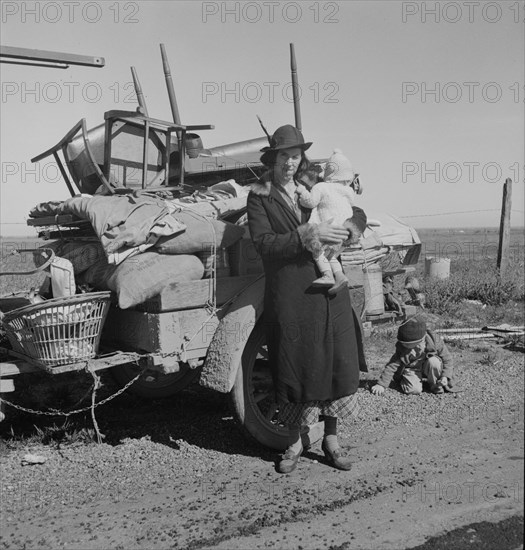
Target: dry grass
479,281
18,262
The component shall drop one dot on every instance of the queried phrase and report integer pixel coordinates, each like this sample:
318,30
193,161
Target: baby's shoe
341,281
326,280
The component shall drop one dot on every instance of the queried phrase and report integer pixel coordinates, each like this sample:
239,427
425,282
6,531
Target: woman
314,339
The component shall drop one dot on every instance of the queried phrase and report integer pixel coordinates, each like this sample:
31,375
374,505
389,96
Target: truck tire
253,401
154,384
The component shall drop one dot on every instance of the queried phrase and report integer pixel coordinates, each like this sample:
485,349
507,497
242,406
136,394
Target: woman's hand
332,234
377,389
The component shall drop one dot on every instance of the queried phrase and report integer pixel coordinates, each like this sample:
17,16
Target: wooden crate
195,294
163,333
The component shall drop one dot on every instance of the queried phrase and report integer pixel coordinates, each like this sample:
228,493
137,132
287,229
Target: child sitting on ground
331,200
419,354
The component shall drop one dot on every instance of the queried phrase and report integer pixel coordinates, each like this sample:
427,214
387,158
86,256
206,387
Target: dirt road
178,474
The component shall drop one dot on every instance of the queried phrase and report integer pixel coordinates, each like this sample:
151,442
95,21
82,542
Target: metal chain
84,409
96,385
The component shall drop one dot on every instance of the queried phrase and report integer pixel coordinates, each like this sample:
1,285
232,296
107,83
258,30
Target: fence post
504,228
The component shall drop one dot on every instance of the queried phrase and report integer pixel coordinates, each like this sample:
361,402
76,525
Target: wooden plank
7,385
138,119
400,271
456,330
407,311
467,336
17,366
506,329
63,219
80,231
200,127
30,54
23,365
195,294
386,316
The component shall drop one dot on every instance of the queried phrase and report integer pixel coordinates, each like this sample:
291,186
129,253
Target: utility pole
504,228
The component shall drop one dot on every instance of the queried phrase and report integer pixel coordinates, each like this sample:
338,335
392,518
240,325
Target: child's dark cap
411,332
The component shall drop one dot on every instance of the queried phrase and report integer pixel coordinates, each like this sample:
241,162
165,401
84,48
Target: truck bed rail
19,364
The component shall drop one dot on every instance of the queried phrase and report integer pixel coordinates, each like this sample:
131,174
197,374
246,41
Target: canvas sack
199,235
141,277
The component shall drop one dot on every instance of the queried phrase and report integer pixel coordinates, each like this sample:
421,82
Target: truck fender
225,350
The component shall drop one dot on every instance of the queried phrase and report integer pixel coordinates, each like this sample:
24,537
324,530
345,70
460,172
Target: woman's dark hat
285,137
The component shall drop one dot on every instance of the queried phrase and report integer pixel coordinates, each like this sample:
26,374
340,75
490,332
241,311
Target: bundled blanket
387,235
125,224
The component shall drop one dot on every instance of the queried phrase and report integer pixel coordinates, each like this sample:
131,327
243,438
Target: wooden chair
129,151
82,164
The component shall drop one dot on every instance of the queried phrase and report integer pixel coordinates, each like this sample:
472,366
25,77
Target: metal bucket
373,283
437,268
193,145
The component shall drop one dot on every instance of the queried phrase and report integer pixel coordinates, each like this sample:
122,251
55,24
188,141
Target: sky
426,99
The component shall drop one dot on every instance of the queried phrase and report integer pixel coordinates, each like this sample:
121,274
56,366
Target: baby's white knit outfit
329,200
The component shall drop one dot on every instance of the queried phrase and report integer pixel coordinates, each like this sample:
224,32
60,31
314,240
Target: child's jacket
434,346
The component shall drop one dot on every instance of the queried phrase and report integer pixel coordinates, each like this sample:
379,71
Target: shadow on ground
196,415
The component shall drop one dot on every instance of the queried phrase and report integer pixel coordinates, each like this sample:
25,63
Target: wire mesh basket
58,331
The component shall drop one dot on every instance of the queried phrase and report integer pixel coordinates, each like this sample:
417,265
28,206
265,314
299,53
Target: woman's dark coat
314,339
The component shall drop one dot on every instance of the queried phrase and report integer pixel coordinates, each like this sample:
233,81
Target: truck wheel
154,384
253,401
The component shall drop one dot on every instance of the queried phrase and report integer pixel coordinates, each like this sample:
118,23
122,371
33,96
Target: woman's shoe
336,458
289,461
341,281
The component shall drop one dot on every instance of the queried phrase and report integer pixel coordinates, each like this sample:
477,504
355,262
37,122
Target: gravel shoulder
178,473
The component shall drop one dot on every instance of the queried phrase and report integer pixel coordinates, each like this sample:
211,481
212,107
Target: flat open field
18,263
469,244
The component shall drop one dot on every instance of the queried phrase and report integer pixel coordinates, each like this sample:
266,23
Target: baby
331,200
419,354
